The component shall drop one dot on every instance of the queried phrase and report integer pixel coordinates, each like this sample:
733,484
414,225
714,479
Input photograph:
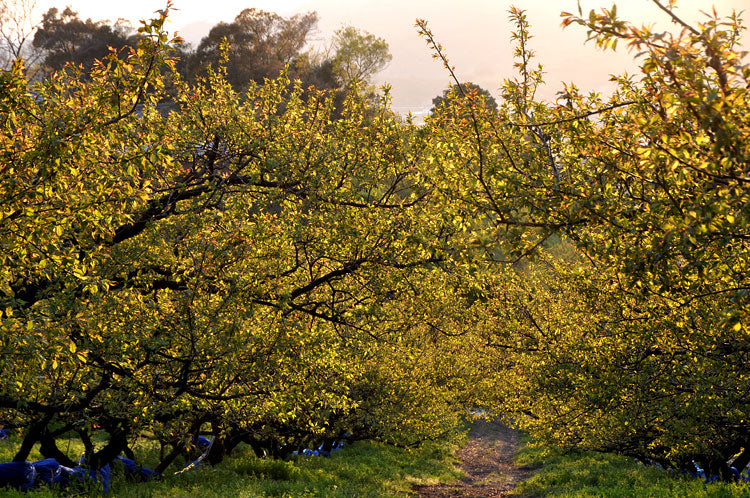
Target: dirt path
487,461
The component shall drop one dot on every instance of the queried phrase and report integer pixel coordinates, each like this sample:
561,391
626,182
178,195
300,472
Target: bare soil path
487,461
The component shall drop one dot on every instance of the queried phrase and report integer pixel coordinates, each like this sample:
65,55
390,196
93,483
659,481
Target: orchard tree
670,210
629,334
246,266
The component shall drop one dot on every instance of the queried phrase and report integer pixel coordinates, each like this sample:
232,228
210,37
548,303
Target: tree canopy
260,45
358,55
630,334
246,266
65,38
462,91
269,267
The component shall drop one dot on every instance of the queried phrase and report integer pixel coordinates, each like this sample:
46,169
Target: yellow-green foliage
636,340
254,266
245,265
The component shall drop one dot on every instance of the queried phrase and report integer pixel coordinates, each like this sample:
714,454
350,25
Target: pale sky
475,33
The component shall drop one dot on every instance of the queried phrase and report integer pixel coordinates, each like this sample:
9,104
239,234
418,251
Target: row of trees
631,335
247,266
278,268
261,45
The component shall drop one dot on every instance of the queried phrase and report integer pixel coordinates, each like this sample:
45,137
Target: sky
475,34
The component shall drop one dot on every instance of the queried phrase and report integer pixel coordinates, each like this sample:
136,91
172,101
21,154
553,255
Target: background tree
65,38
358,55
260,45
18,22
316,69
453,92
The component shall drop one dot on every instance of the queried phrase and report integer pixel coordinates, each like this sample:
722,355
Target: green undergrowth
362,468
586,474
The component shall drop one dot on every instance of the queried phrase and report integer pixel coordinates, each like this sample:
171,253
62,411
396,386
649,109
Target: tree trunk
31,437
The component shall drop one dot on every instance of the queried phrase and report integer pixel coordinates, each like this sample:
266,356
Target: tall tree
260,45
65,38
358,55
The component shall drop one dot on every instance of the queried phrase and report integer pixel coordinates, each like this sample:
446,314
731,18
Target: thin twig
576,117
676,19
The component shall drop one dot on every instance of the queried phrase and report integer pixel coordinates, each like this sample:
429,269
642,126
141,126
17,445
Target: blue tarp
19,475
699,473
132,469
202,442
103,476
337,445
50,471
24,475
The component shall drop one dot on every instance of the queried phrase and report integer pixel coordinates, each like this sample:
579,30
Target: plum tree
636,341
246,265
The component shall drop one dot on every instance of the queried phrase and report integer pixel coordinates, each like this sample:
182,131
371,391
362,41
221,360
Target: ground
488,462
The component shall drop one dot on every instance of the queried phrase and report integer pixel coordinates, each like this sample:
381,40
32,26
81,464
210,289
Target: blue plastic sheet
698,473
735,473
103,476
134,470
337,445
24,475
50,471
19,475
202,442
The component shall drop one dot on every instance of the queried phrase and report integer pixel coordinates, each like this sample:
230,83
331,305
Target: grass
365,469
587,475
359,469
